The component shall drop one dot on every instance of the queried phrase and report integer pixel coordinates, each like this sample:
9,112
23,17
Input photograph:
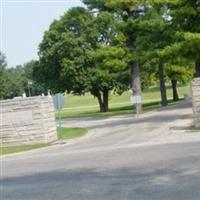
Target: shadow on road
125,183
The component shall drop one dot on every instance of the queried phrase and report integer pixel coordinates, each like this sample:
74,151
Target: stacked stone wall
27,121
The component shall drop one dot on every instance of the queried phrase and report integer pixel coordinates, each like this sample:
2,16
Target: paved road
145,158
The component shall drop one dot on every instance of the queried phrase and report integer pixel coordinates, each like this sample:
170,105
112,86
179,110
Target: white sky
23,23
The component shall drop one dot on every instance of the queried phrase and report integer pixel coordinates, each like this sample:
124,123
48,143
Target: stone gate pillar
27,121
195,85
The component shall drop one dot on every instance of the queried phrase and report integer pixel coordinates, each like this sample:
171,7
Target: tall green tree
3,62
154,35
185,17
11,80
16,81
82,53
179,72
128,12
4,80
35,88
168,39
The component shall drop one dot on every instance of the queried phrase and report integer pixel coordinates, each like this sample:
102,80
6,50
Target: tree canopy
14,80
101,48
83,52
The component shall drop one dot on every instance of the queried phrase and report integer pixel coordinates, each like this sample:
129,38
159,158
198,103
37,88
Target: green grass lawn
122,110
87,105
63,133
72,102
70,133
16,149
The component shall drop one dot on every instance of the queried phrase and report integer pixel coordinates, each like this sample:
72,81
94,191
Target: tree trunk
136,84
103,101
175,92
197,68
163,90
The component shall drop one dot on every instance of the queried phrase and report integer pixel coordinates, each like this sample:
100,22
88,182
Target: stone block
27,121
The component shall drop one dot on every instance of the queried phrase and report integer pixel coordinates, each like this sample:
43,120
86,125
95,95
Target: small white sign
136,99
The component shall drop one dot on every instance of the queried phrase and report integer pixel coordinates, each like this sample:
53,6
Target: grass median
70,133
16,149
63,134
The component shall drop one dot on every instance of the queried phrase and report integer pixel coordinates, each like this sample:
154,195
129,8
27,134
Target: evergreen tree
128,13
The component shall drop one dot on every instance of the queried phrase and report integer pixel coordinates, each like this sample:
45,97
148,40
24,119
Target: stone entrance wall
195,85
27,121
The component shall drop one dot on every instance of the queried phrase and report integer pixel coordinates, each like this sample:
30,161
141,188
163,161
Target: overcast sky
23,24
